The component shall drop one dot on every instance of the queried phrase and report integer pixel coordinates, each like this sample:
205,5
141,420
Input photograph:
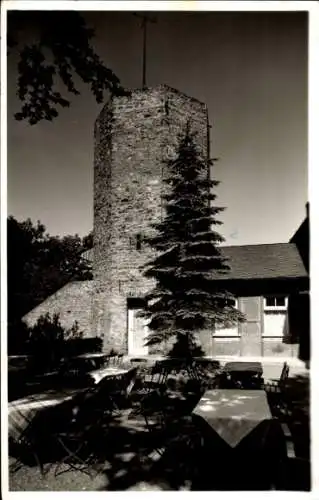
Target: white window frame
268,310
275,307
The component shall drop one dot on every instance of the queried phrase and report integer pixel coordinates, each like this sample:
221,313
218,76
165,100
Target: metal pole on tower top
144,20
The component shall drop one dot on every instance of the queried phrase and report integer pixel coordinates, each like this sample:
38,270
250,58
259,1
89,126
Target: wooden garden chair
279,386
294,471
276,391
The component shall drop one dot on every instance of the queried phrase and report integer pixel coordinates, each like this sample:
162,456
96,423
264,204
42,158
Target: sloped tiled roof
266,261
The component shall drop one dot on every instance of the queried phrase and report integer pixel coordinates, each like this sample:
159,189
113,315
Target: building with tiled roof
264,261
134,137
267,281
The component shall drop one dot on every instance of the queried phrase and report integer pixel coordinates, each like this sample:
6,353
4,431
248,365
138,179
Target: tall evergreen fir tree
186,298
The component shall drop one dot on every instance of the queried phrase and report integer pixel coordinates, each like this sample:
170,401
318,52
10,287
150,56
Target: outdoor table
22,411
244,366
240,435
244,374
110,372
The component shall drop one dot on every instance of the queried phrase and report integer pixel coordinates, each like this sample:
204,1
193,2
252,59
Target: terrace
150,437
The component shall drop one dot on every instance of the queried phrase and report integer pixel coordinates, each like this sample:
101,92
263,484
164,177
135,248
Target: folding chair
147,381
114,359
153,408
129,380
165,420
30,436
279,386
294,471
119,387
192,368
107,393
31,443
153,378
119,359
284,478
276,392
80,439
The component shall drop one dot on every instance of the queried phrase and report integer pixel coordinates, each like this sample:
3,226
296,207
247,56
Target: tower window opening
138,242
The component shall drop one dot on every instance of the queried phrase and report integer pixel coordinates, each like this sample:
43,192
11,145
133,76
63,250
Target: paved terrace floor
130,464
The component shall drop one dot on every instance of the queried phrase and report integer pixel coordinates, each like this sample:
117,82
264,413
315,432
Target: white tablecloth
110,371
232,413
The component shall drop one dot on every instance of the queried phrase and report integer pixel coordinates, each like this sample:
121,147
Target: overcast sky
251,71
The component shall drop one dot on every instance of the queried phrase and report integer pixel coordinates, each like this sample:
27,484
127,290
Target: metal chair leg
79,466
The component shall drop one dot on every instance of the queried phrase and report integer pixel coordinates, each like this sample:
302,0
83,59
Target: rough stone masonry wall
134,136
73,302
102,219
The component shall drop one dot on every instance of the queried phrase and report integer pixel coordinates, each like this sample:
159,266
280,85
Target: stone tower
134,135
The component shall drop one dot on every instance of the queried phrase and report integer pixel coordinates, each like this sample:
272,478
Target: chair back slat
285,372
284,375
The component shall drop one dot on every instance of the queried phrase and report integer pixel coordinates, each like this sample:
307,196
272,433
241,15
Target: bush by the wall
48,342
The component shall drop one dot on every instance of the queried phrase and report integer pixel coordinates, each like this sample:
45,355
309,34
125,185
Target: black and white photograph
156,325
